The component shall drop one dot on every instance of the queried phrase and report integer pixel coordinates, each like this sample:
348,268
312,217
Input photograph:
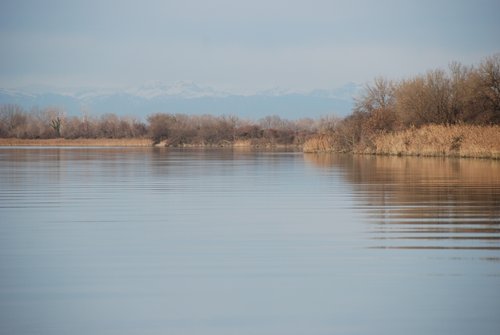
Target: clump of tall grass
441,140
319,143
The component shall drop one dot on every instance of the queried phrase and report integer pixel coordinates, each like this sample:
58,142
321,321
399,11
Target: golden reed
319,143
440,140
431,140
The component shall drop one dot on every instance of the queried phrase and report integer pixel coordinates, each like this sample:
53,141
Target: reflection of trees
424,199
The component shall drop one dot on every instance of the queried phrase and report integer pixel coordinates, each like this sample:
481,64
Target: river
164,241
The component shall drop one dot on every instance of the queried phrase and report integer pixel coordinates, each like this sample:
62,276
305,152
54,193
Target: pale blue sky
238,45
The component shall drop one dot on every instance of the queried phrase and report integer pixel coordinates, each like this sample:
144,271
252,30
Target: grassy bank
431,140
81,142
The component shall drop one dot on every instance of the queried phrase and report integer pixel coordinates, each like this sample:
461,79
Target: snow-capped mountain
181,89
16,93
278,92
190,98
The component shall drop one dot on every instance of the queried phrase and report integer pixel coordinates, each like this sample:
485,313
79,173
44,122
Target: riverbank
432,140
138,142
80,142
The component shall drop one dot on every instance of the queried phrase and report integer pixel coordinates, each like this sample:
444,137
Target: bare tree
328,124
55,117
160,126
376,96
13,120
424,99
378,104
489,74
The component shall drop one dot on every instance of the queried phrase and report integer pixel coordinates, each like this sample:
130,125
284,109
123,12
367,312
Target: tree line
181,129
54,123
459,95
173,129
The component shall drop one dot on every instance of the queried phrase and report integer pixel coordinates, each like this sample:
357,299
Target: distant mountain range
190,98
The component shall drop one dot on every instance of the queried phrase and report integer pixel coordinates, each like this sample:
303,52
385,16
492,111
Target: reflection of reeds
439,140
423,203
81,142
391,169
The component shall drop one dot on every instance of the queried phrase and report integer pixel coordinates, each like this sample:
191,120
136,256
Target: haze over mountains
189,98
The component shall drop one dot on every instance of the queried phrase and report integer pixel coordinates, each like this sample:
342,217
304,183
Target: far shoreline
135,142
475,142
79,142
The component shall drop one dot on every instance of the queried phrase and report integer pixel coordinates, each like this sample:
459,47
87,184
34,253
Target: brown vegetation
320,143
449,113
161,129
53,123
208,130
439,140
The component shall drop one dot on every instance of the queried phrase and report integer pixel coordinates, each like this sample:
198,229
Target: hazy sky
238,45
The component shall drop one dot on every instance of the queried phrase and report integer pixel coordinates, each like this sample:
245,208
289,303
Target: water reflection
424,203
160,241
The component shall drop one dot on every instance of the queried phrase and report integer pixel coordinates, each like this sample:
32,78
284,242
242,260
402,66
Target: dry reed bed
81,142
440,140
431,140
319,143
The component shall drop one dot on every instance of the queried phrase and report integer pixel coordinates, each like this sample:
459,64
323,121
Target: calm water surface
155,241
